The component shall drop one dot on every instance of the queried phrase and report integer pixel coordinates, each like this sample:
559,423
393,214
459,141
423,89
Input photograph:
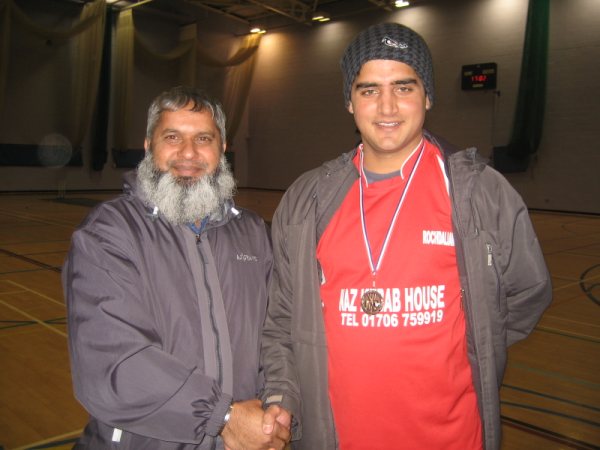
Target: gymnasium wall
311,124
295,116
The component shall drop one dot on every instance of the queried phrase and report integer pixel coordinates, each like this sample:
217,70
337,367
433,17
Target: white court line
39,294
62,437
35,319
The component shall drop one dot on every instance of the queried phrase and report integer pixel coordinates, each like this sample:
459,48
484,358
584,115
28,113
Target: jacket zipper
463,293
212,315
491,263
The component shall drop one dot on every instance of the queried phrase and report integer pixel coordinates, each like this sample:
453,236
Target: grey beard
182,200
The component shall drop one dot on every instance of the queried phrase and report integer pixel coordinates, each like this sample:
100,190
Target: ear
350,108
146,145
427,103
224,147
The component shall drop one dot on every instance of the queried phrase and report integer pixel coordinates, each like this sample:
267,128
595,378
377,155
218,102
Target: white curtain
238,83
189,53
87,58
85,35
85,38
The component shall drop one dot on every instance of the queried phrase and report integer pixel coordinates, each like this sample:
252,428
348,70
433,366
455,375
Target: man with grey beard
166,290
183,199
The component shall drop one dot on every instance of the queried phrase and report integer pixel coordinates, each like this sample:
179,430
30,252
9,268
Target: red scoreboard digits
479,76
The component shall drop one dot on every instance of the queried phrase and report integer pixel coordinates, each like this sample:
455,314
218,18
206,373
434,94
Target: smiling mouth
387,124
188,165
188,171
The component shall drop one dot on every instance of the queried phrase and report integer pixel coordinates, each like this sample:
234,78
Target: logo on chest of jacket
436,237
246,258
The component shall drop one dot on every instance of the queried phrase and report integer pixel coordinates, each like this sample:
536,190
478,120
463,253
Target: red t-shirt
399,379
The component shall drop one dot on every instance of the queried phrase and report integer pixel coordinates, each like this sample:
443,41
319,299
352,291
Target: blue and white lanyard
375,267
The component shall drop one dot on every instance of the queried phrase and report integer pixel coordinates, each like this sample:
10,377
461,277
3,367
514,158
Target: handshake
251,428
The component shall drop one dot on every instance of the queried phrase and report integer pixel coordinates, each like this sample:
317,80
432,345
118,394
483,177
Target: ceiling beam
292,9
382,4
217,10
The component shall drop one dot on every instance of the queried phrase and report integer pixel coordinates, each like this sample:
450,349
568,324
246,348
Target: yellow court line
35,319
72,434
10,292
576,283
35,292
576,322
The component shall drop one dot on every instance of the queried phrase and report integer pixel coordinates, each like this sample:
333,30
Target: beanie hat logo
392,43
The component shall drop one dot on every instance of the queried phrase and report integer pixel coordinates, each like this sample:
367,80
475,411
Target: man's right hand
244,430
276,414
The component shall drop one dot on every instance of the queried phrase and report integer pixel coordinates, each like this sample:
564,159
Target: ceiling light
321,17
400,3
257,29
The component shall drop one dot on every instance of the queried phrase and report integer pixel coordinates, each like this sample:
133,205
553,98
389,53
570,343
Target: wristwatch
226,418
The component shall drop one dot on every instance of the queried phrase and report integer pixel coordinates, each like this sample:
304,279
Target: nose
387,102
187,150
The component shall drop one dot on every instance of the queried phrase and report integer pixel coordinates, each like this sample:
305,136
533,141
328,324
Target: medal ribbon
375,267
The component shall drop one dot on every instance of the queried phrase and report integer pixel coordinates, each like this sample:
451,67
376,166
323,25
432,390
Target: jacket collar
339,174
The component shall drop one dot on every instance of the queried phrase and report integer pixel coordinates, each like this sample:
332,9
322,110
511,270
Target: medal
371,302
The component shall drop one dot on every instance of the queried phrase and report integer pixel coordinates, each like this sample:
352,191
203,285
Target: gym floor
551,391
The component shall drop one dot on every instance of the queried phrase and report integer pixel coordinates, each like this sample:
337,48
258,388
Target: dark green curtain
531,101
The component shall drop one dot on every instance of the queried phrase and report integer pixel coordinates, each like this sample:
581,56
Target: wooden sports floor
551,392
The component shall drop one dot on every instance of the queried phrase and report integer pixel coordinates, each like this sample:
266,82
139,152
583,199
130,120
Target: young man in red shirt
402,271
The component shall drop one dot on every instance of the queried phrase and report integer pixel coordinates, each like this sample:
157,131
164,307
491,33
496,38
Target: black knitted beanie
388,41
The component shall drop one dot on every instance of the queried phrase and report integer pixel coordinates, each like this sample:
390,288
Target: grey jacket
505,288
164,325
